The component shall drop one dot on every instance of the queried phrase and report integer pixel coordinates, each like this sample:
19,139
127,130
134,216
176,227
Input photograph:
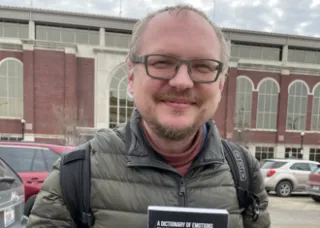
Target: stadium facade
52,60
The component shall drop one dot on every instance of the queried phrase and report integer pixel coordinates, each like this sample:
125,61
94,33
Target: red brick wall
10,54
85,91
49,89
28,88
52,78
56,78
225,114
10,126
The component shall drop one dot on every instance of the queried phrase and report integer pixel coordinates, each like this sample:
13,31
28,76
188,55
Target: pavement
296,211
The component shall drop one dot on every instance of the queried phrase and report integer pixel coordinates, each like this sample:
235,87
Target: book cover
184,217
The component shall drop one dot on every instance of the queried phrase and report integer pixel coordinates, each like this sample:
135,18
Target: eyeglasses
165,67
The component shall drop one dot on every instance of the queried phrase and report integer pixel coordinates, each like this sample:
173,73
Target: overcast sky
300,17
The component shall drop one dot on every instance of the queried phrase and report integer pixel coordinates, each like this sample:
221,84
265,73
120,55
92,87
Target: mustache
175,95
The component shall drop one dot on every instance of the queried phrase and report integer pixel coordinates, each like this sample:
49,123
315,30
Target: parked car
11,197
314,184
287,175
33,162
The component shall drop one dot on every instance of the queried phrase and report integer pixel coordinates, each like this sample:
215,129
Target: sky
297,17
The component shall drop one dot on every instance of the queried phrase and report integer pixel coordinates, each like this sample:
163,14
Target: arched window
297,106
315,123
243,102
267,104
121,105
11,88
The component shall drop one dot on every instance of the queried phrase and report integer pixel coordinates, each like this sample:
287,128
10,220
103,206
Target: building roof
113,23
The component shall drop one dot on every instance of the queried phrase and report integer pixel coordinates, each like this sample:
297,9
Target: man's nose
182,80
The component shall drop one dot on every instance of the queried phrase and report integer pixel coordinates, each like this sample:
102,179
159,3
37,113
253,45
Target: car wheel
28,205
284,189
316,198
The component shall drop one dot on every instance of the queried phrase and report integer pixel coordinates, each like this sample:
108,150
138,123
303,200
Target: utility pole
120,11
31,7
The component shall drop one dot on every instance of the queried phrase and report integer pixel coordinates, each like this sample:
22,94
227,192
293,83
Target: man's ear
222,81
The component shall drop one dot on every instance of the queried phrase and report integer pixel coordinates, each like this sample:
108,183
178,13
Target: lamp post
23,122
239,135
301,142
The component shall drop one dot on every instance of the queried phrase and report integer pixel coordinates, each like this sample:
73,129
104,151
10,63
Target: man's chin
178,123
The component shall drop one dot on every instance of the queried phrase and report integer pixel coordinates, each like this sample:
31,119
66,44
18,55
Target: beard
171,133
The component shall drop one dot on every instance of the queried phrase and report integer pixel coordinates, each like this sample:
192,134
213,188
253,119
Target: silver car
11,197
285,176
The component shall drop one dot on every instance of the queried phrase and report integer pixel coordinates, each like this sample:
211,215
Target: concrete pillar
102,36
32,30
285,53
229,45
280,151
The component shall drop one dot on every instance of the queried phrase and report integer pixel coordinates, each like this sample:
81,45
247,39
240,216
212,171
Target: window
316,171
270,164
297,106
301,167
264,152
11,88
304,56
38,162
121,105
315,122
250,51
50,158
314,154
313,166
243,103
6,173
67,35
20,159
14,30
268,105
117,40
293,153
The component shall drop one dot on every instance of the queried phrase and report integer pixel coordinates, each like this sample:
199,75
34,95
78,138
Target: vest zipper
182,192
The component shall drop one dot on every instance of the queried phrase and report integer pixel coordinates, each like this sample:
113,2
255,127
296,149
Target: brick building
51,60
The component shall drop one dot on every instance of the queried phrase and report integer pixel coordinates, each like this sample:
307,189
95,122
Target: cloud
315,4
288,17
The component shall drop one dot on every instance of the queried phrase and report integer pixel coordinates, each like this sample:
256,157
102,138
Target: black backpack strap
75,181
237,159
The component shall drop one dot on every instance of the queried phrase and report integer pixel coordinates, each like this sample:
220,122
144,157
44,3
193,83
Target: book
186,217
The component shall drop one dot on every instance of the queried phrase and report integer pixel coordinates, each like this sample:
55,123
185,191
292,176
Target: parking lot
297,211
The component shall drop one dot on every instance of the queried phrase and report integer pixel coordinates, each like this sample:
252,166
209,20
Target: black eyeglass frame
144,60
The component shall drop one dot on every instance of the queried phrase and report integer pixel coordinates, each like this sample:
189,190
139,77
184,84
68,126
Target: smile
179,103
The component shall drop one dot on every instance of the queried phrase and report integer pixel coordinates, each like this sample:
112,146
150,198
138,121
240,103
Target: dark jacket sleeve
259,190
49,209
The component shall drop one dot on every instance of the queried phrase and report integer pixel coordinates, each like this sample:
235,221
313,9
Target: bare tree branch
67,119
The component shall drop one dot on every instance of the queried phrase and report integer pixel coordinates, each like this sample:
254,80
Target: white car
285,176
11,197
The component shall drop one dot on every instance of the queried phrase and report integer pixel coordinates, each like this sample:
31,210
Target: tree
293,123
242,137
242,126
68,117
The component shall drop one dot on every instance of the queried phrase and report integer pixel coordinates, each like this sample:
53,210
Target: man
169,153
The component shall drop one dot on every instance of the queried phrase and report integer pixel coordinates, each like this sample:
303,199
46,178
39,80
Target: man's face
176,108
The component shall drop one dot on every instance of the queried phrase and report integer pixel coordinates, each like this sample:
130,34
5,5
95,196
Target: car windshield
272,164
8,179
317,171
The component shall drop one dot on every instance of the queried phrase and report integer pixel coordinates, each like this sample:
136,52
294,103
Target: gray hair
140,27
